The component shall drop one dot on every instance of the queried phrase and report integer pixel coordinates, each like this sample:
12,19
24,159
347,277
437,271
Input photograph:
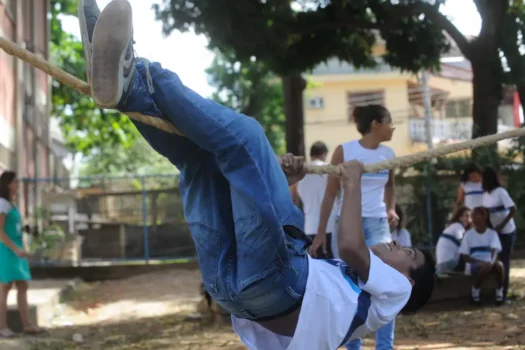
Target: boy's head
318,151
417,265
481,219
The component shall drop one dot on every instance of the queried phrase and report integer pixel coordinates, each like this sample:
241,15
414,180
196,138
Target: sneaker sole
111,38
85,38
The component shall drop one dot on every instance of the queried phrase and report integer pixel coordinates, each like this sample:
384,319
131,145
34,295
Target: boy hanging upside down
246,229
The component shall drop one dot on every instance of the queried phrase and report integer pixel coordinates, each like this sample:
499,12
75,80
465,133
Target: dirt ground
154,312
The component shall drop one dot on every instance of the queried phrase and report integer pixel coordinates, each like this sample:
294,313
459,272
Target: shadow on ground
131,324
484,328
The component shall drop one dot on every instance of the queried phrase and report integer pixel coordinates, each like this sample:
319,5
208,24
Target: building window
458,108
316,103
363,98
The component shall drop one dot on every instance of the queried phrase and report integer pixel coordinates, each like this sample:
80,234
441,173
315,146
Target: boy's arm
332,187
495,246
390,197
461,197
509,204
351,240
494,253
295,194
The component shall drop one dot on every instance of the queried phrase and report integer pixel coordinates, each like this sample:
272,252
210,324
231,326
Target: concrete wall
25,95
120,241
7,93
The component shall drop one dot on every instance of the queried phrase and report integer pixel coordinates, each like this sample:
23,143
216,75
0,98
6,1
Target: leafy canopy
87,128
292,37
249,88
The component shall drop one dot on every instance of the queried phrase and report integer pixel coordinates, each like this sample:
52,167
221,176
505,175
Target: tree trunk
487,96
487,73
293,87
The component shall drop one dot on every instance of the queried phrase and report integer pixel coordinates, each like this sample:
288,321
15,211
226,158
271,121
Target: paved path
40,292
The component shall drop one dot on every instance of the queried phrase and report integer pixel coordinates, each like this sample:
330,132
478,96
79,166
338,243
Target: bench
456,285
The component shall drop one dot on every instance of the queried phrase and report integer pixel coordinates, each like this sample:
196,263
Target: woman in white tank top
470,193
374,123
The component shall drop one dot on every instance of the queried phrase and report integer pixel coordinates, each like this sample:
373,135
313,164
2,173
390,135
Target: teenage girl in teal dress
14,268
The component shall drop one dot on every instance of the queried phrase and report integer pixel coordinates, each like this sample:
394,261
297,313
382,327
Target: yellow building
337,87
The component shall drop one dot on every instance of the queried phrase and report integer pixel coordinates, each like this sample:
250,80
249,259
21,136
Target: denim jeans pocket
259,284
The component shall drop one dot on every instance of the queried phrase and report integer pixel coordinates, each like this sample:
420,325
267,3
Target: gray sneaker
113,60
88,14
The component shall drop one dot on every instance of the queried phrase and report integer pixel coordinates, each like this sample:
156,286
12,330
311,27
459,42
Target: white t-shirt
479,245
311,190
473,194
372,184
498,203
447,247
337,307
402,236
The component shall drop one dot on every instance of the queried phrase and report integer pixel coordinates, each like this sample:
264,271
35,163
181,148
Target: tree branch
398,12
442,21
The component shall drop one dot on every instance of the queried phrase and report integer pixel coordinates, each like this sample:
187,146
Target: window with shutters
458,108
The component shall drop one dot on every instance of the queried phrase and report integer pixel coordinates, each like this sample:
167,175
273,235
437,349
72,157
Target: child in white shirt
399,233
447,247
502,210
247,231
480,248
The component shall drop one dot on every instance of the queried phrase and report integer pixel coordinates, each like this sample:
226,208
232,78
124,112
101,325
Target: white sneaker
88,14
113,58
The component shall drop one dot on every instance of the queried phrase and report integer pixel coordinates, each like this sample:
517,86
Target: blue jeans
246,229
376,231
507,243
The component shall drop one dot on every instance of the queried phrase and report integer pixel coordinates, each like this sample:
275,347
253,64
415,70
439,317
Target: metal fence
140,218
86,220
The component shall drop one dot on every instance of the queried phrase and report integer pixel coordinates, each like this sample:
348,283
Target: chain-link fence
106,219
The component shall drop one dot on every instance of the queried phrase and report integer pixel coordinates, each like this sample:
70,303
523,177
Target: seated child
400,233
447,247
246,228
480,248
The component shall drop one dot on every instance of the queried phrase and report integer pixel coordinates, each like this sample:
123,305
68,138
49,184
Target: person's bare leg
21,299
481,277
498,270
4,329
23,307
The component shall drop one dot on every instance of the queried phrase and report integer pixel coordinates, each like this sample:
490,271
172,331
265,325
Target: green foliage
87,128
138,158
248,87
292,37
108,141
511,39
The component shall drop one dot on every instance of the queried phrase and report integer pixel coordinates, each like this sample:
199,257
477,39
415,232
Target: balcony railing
445,130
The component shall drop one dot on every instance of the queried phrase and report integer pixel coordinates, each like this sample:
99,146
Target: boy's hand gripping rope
404,161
